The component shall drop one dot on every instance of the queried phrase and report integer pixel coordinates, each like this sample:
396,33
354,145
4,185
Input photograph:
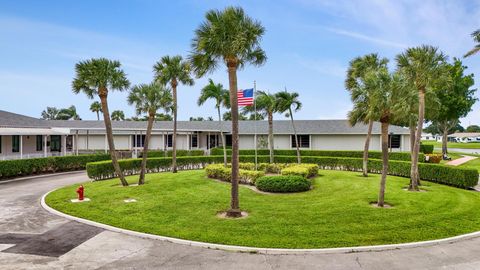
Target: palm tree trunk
412,147
103,93
234,210
366,148
299,159
143,169
174,144
223,139
416,148
98,116
270,135
381,194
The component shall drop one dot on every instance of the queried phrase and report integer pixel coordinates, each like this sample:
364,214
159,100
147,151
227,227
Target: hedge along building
64,137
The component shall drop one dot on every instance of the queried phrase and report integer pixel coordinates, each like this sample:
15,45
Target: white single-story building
25,137
464,137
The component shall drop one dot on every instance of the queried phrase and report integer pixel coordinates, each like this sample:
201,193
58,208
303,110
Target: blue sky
308,44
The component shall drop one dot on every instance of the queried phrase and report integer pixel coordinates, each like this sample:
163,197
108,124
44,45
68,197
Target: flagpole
255,119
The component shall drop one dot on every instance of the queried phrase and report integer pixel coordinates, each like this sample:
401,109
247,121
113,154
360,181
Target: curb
18,179
273,251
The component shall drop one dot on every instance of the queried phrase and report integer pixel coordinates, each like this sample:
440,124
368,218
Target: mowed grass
336,213
471,145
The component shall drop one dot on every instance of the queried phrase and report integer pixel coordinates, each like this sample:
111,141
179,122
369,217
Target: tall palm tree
173,70
421,66
289,103
96,107
98,77
147,98
118,115
220,96
387,102
266,105
355,84
476,49
233,38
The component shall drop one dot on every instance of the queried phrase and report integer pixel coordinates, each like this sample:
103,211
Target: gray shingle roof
8,119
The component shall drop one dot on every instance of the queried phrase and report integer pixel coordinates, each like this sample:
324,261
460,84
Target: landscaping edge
275,251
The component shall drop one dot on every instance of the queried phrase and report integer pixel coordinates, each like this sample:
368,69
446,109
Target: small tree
289,103
98,77
118,115
148,98
221,98
69,113
96,107
173,70
51,113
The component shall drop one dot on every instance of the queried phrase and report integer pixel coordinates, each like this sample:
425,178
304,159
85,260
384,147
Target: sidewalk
461,160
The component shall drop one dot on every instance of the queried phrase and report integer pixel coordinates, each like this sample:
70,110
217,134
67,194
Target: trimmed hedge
168,153
218,171
458,177
304,170
426,148
283,183
325,153
24,167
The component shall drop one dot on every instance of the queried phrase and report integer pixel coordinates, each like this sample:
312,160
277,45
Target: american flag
245,97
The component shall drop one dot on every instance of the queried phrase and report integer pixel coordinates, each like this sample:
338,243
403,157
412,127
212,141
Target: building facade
26,137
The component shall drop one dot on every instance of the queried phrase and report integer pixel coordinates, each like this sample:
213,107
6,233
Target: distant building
464,137
25,137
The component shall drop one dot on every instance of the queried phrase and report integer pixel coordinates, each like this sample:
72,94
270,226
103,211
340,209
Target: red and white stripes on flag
245,97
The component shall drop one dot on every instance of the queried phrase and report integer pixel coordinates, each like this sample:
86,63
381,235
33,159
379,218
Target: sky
308,44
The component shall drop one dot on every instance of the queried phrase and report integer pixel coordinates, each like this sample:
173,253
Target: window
138,140
228,140
212,141
303,141
15,143
194,140
55,143
394,141
39,142
168,140
0,144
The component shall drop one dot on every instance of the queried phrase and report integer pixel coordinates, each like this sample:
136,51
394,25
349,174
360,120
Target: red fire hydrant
80,191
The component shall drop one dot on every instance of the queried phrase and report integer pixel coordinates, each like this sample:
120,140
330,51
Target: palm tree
96,107
147,98
231,37
355,83
266,105
173,70
220,95
118,115
421,66
387,102
288,103
476,49
98,77
69,113
51,113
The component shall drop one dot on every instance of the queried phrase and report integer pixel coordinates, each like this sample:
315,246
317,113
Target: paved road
31,238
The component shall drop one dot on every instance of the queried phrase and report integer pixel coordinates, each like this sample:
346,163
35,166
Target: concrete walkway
460,161
32,238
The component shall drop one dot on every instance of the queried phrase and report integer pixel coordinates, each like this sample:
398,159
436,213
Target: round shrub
283,183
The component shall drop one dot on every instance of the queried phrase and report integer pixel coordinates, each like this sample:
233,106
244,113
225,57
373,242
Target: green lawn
335,213
472,145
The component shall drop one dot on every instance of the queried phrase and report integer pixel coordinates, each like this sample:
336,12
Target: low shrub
325,153
180,153
218,171
458,177
24,167
433,158
304,170
426,149
283,183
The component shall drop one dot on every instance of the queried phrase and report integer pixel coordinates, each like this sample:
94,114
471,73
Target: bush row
326,153
168,153
218,171
283,183
24,167
458,177
426,148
